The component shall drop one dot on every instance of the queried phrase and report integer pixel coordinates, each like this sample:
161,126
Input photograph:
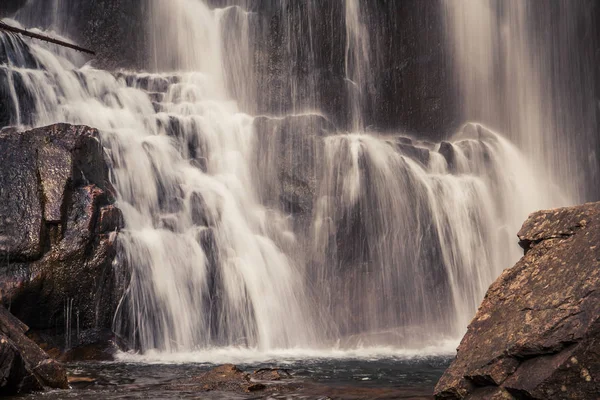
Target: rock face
57,230
288,154
24,367
537,333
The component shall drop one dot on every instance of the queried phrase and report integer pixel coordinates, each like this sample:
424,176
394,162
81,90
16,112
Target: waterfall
205,266
356,62
423,235
520,69
397,238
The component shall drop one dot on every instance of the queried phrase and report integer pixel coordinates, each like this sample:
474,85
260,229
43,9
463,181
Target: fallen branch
6,27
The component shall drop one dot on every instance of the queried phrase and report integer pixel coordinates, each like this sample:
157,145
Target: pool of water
318,378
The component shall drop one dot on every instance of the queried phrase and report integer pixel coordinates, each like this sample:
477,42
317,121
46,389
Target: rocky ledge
58,228
536,334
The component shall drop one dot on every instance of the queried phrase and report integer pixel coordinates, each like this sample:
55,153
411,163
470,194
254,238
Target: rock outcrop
537,333
288,156
24,367
58,229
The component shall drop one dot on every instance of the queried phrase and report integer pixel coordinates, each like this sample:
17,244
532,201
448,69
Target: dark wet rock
155,85
158,107
288,153
156,97
24,366
188,138
229,378
419,154
537,333
93,345
11,6
200,213
226,377
57,236
169,222
412,88
271,374
447,150
404,140
111,219
14,376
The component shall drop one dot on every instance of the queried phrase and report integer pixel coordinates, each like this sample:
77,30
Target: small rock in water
271,374
229,378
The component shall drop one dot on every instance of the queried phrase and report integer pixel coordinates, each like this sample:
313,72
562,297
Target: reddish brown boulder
226,378
536,334
57,231
24,367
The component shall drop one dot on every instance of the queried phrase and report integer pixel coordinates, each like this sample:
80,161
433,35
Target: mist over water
397,239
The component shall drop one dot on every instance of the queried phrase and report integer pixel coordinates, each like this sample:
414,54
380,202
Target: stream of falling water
518,71
405,235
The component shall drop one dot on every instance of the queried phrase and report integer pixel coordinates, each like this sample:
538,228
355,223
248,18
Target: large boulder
58,229
537,333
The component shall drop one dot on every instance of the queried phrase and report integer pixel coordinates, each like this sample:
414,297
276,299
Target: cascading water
519,70
180,166
403,235
424,236
356,63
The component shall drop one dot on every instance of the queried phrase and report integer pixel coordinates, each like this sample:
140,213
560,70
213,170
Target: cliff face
537,333
296,55
58,230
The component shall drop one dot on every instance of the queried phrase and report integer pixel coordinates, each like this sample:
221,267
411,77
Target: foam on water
245,355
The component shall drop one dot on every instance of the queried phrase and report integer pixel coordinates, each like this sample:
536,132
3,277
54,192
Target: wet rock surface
288,153
58,230
229,378
24,366
537,333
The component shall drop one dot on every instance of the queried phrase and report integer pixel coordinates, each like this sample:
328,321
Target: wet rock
14,376
419,154
200,213
270,374
536,334
229,378
156,97
57,230
226,377
169,222
447,150
93,345
404,140
288,154
111,219
24,365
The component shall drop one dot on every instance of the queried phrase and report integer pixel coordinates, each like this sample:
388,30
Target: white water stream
401,247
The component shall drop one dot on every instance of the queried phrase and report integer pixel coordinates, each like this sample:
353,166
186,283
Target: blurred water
320,378
403,235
